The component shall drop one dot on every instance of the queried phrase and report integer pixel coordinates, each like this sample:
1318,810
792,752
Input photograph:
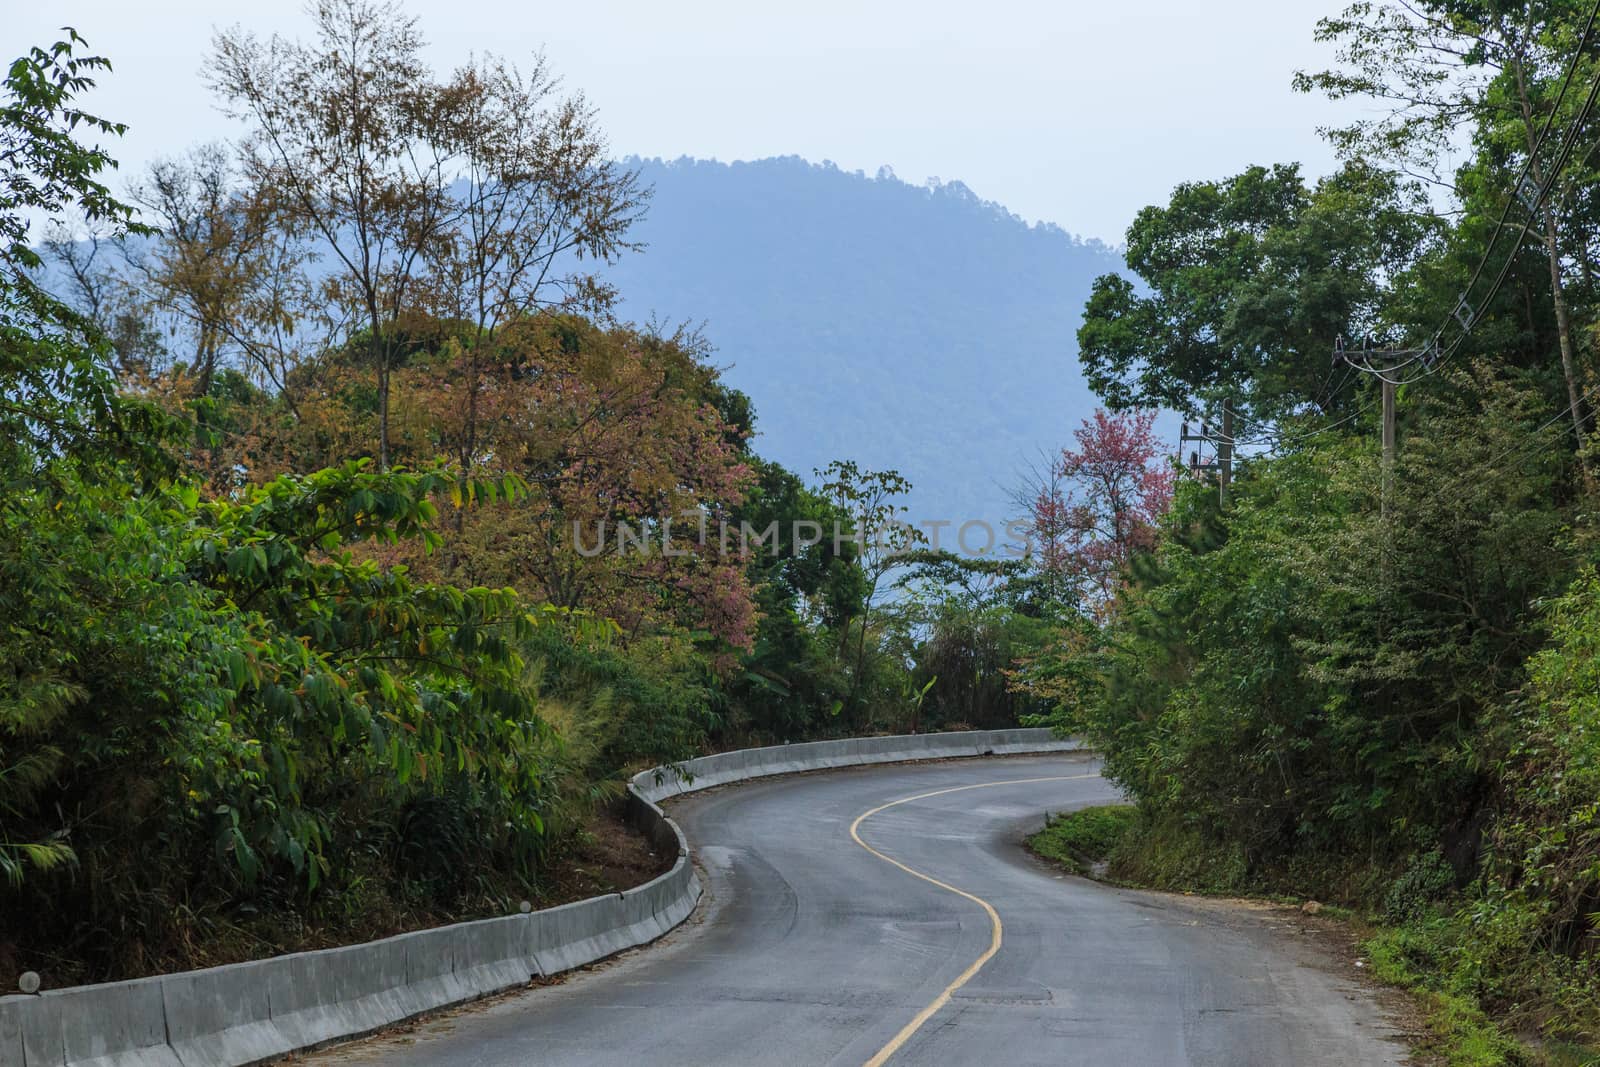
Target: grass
1081,839
1459,1032
1426,956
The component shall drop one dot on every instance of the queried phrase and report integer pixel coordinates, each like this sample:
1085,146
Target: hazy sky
1077,113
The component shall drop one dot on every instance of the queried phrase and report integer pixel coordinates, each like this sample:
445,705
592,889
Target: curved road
816,945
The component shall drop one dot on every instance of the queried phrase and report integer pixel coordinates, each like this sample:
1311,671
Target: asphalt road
813,946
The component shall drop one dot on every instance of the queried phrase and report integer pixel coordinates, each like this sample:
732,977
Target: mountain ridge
919,327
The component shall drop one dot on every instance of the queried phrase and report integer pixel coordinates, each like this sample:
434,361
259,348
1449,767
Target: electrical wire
1276,441
1439,358
1413,356
1505,269
1527,164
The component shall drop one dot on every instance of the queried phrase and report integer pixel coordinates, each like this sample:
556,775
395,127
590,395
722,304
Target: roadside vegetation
1083,841
1113,843
309,437
318,448
1371,682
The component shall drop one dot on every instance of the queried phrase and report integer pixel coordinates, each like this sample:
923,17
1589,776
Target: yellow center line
943,998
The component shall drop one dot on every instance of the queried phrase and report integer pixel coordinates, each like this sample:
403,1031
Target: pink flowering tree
1099,503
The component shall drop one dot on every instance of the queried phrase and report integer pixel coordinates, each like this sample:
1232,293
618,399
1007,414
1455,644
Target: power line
1534,435
1533,154
1276,440
1505,269
1465,313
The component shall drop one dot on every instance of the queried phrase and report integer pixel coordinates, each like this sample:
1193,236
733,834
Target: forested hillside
914,327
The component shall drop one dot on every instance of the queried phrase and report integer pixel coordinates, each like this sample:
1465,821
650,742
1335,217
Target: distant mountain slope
901,326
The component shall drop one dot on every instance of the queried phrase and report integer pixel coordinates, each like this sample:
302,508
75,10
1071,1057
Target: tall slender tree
535,197
345,130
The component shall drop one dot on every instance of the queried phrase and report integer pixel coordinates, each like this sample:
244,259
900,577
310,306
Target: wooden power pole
1225,452
1388,442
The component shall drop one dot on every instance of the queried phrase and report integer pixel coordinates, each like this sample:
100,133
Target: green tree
791,678
1247,284
973,619
870,500
56,392
57,400
1438,65
1305,674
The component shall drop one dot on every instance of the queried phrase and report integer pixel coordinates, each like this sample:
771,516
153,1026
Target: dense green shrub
286,689
1306,672
1427,878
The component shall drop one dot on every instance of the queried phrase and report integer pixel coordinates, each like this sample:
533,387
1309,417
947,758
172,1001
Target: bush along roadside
1453,949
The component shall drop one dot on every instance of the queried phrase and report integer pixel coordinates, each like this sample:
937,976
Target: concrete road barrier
316,997
253,1012
574,935
707,772
222,1015
129,1025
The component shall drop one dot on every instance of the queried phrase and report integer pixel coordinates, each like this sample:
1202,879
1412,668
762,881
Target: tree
1304,675
1250,282
85,259
345,136
57,392
1439,64
534,197
225,269
971,620
1039,495
618,437
1102,503
476,198
805,593
871,502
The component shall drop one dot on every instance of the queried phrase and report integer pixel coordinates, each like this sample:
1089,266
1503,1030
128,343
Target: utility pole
1387,364
1225,452
1223,444
1388,443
